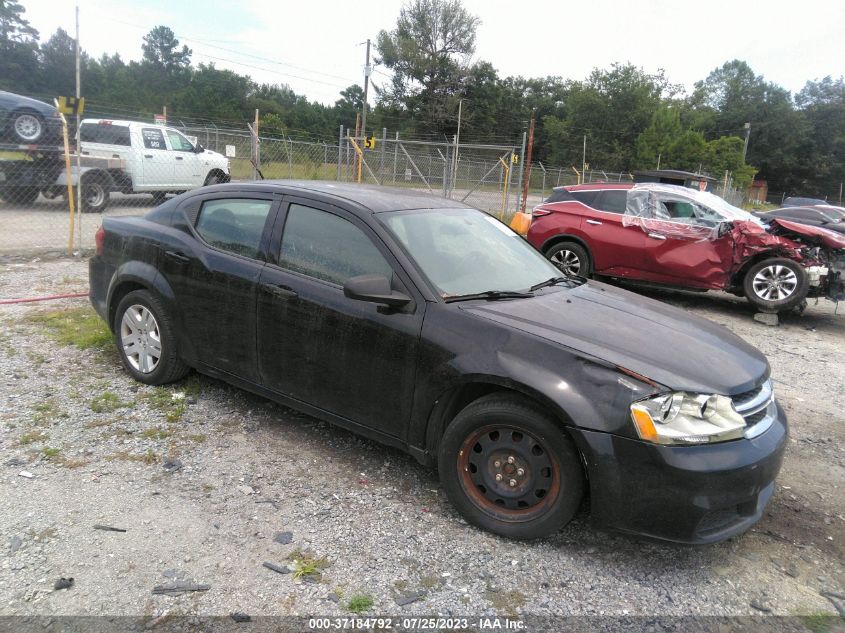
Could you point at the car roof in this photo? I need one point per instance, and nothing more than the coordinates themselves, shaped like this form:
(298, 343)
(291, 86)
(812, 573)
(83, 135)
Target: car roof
(597, 186)
(374, 198)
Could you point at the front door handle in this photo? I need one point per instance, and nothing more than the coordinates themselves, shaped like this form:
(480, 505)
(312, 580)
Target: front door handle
(278, 290)
(593, 222)
(657, 236)
(148, 155)
(176, 256)
(179, 158)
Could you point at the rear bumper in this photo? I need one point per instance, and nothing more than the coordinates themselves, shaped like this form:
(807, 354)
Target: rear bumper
(687, 494)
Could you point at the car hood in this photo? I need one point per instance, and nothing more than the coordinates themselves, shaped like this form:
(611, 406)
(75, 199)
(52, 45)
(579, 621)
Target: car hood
(653, 339)
(829, 238)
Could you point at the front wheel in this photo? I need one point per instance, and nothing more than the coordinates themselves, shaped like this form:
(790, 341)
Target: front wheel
(508, 468)
(571, 258)
(146, 339)
(775, 285)
(159, 197)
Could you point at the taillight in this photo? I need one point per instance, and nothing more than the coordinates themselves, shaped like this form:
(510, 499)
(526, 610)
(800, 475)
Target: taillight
(100, 240)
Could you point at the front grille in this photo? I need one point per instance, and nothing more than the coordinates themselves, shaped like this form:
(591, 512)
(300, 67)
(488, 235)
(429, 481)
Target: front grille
(745, 397)
(716, 520)
(754, 418)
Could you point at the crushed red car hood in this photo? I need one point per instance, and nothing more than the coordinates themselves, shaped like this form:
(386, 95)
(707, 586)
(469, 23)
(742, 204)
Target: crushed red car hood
(831, 239)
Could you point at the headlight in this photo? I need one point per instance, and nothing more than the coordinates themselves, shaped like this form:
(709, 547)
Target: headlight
(687, 418)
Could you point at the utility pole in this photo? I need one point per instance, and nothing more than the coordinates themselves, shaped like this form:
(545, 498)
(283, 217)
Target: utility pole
(527, 171)
(457, 145)
(584, 158)
(747, 127)
(367, 71)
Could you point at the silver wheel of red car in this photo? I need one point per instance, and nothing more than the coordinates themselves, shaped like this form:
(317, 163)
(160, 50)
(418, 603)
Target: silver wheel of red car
(28, 127)
(571, 258)
(509, 469)
(776, 284)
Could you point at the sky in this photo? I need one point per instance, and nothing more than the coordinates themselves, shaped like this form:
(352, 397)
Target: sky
(317, 47)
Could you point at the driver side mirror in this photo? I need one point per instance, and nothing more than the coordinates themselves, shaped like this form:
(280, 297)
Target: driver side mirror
(374, 289)
(725, 228)
(198, 149)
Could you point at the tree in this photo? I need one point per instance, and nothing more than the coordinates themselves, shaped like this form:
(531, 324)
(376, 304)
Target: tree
(161, 49)
(428, 52)
(18, 48)
(58, 63)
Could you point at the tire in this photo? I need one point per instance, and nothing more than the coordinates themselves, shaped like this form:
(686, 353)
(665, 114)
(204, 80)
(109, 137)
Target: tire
(571, 258)
(213, 178)
(95, 195)
(27, 126)
(159, 197)
(536, 494)
(21, 195)
(147, 330)
(776, 284)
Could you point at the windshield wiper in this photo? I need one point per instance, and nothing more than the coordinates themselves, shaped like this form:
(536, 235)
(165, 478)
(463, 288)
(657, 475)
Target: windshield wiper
(551, 282)
(490, 295)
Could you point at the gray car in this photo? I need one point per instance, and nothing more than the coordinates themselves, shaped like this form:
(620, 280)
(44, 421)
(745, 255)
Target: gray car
(25, 120)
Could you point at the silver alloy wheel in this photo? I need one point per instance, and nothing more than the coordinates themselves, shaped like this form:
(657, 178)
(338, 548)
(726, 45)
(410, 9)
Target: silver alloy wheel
(95, 194)
(775, 283)
(140, 338)
(27, 127)
(568, 262)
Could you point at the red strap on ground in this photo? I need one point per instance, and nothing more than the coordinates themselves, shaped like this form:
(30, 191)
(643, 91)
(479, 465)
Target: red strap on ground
(74, 295)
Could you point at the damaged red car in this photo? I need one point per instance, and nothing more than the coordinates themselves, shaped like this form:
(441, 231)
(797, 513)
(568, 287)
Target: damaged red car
(680, 237)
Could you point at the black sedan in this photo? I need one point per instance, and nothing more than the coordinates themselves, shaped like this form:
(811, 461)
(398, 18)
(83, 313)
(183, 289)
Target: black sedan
(28, 121)
(825, 216)
(431, 326)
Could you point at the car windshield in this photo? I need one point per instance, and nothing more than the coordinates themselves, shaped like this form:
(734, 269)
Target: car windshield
(465, 251)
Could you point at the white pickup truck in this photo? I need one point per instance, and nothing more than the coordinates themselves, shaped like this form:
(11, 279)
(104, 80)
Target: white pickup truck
(151, 158)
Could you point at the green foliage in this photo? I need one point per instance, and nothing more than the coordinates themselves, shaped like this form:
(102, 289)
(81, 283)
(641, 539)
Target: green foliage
(108, 401)
(360, 602)
(81, 327)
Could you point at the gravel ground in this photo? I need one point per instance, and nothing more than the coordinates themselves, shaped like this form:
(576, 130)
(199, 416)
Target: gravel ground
(207, 479)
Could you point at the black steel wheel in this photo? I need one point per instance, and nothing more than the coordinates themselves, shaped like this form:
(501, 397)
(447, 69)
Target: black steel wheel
(95, 195)
(571, 258)
(146, 339)
(508, 468)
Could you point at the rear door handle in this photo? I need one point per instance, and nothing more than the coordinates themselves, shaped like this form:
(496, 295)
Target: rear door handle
(179, 158)
(148, 155)
(656, 236)
(283, 292)
(593, 222)
(179, 257)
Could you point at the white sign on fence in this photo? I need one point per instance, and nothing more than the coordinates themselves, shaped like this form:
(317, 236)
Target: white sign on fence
(230, 151)
(408, 174)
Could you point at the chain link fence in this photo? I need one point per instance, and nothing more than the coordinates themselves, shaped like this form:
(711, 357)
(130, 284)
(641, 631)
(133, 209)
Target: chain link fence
(129, 167)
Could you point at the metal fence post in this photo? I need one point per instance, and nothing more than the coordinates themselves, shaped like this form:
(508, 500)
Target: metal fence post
(395, 156)
(518, 189)
(339, 151)
(381, 158)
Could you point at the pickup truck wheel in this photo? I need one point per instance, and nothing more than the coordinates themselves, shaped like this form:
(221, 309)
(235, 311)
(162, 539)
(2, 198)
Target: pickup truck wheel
(775, 285)
(28, 126)
(572, 259)
(159, 197)
(509, 469)
(95, 196)
(146, 339)
(213, 178)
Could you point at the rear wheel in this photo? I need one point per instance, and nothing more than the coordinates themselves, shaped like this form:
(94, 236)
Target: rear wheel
(146, 339)
(159, 197)
(21, 195)
(213, 178)
(776, 284)
(572, 259)
(509, 469)
(95, 195)
(28, 126)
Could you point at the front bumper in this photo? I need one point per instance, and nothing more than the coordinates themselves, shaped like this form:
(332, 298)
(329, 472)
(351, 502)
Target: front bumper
(687, 494)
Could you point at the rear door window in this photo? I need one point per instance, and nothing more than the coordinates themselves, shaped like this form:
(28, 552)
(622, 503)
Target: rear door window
(586, 197)
(613, 201)
(234, 225)
(328, 247)
(105, 134)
